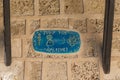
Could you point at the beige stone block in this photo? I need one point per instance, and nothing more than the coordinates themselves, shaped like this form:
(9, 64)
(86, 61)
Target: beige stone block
(85, 70)
(54, 23)
(90, 49)
(115, 71)
(13, 72)
(22, 7)
(73, 6)
(91, 24)
(16, 48)
(116, 25)
(116, 44)
(100, 26)
(117, 6)
(79, 25)
(1, 8)
(95, 25)
(33, 70)
(94, 6)
(55, 71)
(34, 25)
(49, 7)
(18, 27)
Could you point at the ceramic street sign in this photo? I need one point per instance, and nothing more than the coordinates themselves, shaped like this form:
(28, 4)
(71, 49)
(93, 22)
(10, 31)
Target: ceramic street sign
(56, 41)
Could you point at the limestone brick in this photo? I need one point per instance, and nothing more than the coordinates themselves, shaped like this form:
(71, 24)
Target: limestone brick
(94, 6)
(49, 7)
(55, 71)
(33, 70)
(18, 27)
(14, 72)
(22, 7)
(73, 6)
(85, 70)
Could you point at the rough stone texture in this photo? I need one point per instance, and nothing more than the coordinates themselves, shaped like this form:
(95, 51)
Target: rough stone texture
(22, 7)
(49, 7)
(115, 71)
(73, 6)
(1, 8)
(33, 71)
(95, 25)
(85, 70)
(100, 25)
(117, 6)
(78, 24)
(91, 24)
(116, 45)
(90, 45)
(55, 23)
(18, 27)
(94, 6)
(116, 26)
(34, 25)
(55, 71)
(16, 48)
(14, 72)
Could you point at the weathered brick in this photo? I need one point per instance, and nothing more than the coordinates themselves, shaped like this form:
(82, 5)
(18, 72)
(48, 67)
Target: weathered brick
(22, 7)
(1, 8)
(16, 47)
(33, 71)
(100, 25)
(115, 71)
(73, 6)
(94, 6)
(78, 24)
(18, 27)
(116, 45)
(90, 44)
(85, 70)
(55, 71)
(91, 24)
(14, 72)
(95, 25)
(49, 7)
(34, 25)
(116, 25)
(117, 6)
(54, 23)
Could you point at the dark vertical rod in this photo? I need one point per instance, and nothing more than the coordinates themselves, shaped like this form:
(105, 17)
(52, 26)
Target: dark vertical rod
(107, 36)
(7, 33)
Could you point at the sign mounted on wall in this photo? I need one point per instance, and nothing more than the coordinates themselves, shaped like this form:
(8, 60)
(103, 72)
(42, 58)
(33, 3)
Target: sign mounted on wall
(56, 41)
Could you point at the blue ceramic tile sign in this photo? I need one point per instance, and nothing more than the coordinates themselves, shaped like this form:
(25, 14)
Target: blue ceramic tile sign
(56, 41)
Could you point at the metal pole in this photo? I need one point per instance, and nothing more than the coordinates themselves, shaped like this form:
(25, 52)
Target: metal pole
(7, 33)
(107, 36)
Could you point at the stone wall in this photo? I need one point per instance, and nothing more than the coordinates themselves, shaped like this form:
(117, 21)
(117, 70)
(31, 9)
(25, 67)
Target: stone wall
(84, 16)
